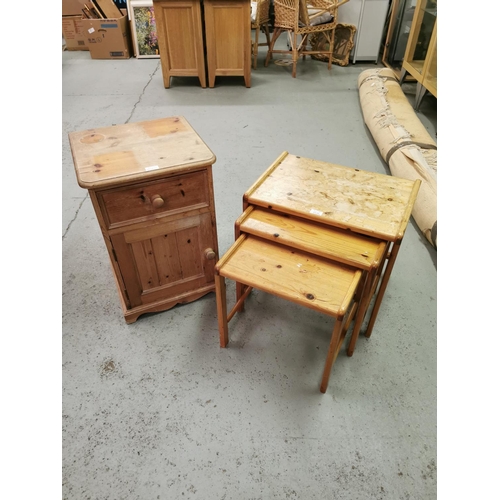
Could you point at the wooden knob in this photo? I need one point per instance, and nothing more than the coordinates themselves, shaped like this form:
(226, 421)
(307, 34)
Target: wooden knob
(157, 201)
(209, 254)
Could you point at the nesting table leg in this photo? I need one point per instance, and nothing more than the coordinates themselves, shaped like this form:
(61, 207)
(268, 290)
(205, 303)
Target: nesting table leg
(332, 353)
(220, 293)
(363, 307)
(240, 290)
(383, 286)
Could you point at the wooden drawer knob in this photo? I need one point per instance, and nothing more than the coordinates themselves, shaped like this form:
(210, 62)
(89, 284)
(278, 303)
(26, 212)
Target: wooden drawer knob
(209, 254)
(157, 201)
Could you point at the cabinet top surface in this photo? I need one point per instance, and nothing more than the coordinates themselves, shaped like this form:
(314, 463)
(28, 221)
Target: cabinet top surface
(121, 154)
(369, 203)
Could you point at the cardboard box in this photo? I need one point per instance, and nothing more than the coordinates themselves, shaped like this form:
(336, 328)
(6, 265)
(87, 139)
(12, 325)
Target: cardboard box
(72, 30)
(72, 7)
(107, 38)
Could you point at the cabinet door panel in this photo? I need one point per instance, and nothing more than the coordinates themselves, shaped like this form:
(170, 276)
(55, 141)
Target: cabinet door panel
(228, 44)
(143, 254)
(180, 38)
(157, 261)
(166, 259)
(189, 250)
(168, 256)
(228, 39)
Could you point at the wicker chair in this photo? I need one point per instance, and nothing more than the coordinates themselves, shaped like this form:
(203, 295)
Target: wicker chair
(260, 21)
(300, 18)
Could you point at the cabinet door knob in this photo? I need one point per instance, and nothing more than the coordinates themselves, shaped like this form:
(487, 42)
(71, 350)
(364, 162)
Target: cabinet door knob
(157, 201)
(209, 254)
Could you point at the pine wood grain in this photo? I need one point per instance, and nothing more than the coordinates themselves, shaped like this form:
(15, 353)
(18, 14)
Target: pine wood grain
(136, 151)
(302, 278)
(180, 38)
(179, 192)
(369, 203)
(228, 39)
(329, 242)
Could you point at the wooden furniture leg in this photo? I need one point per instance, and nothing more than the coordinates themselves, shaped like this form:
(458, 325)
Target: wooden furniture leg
(332, 43)
(247, 78)
(240, 287)
(276, 33)
(419, 95)
(268, 36)
(255, 47)
(332, 353)
(363, 307)
(383, 285)
(220, 294)
(295, 55)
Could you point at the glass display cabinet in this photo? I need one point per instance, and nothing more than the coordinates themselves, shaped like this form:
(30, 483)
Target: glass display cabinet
(398, 29)
(420, 60)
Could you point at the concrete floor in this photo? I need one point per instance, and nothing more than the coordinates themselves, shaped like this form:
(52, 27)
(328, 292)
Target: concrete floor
(155, 409)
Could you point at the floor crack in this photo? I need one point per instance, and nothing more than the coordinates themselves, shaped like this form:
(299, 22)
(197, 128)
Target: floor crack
(127, 121)
(142, 93)
(75, 217)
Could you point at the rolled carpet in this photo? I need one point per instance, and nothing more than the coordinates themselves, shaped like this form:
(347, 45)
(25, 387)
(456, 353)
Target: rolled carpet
(402, 140)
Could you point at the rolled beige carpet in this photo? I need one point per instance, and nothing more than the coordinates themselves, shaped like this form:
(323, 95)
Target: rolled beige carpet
(403, 141)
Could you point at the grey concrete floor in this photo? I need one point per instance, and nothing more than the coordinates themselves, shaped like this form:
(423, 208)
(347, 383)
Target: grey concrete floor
(155, 409)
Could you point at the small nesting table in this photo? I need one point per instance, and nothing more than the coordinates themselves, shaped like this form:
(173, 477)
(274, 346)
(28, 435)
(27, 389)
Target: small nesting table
(300, 277)
(349, 217)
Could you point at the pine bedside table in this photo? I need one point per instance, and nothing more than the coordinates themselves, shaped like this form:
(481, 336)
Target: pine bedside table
(151, 188)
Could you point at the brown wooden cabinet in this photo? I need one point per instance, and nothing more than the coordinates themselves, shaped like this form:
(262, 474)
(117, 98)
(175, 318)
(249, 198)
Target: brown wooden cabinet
(195, 36)
(228, 39)
(180, 38)
(152, 192)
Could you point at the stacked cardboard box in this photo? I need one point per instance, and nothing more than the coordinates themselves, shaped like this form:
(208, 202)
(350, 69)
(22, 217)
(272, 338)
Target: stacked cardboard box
(72, 29)
(98, 26)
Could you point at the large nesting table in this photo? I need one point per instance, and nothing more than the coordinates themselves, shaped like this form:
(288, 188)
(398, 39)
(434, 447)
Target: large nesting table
(344, 215)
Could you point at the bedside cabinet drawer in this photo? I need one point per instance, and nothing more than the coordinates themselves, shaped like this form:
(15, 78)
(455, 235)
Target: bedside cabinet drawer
(177, 193)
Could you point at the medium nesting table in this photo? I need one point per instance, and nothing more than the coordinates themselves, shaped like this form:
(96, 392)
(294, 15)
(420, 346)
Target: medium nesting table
(338, 245)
